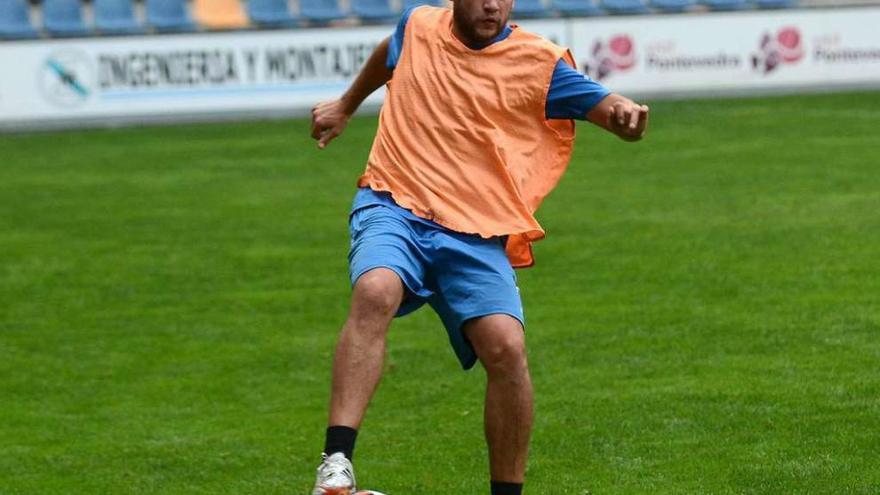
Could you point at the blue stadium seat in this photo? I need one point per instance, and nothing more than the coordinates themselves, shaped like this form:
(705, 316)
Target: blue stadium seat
(15, 20)
(116, 17)
(414, 3)
(775, 4)
(63, 18)
(625, 6)
(673, 5)
(169, 16)
(373, 10)
(575, 8)
(725, 4)
(529, 8)
(270, 13)
(320, 11)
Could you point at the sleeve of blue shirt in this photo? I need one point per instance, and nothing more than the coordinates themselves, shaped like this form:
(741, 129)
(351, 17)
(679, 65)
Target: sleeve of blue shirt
(572, 94)
(396, 44)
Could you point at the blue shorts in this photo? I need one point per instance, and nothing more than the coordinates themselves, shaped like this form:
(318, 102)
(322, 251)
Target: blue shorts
(461, 276)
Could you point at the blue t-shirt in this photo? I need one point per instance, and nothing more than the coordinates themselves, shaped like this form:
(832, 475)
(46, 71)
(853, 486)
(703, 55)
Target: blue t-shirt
(571, 93)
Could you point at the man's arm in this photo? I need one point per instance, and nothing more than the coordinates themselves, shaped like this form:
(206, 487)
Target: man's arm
(620, 115)
(329, 118)
(573, 95)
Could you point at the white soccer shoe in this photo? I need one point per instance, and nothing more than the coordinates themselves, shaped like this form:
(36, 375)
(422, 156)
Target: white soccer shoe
(335, 476)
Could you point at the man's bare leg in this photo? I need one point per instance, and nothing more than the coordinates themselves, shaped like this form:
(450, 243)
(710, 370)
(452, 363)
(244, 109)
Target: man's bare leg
(357, 368)
(360, 353)
(499, 342)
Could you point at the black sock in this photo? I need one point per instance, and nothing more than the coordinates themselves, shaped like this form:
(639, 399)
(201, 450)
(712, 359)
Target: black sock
(504, 488)
(340, 439)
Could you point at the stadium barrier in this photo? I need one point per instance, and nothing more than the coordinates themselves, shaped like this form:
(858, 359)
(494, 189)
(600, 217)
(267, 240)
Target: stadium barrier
(136, 79)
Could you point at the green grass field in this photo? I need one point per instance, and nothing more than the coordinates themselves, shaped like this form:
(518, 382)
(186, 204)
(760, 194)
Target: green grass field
(704, 316)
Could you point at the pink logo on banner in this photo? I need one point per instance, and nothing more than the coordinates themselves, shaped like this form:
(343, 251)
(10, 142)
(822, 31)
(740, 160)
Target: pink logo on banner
(615, 55)
(784, 48)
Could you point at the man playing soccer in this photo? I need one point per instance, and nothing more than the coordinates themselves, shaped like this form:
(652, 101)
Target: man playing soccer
(475, 131)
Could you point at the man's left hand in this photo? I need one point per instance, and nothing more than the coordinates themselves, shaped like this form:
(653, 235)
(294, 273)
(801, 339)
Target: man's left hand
(622, 116)
(628, 119)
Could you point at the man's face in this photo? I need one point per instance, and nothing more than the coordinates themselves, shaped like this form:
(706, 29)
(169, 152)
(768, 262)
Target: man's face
(480, 21)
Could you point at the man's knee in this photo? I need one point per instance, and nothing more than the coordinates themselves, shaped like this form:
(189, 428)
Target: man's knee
(377, 293)
(500, 345)
(505, 355)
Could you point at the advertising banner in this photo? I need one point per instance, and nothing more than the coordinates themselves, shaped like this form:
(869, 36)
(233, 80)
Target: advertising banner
(731, 52)
(196, 76)
(181, 75)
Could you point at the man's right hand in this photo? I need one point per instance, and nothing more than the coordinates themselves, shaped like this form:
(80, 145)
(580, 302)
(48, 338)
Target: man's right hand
(329, 119)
